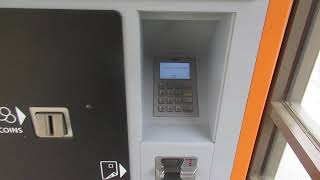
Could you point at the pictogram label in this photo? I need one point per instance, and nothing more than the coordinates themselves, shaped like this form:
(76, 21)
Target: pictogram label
(111, 169)
(8, 119)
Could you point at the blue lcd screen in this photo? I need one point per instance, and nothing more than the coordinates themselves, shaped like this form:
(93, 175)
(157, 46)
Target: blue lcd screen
(173, 70)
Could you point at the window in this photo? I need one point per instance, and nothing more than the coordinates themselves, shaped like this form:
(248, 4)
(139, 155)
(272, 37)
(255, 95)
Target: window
(288, 145)
(311, 98)
(290, 167)
(307, 105)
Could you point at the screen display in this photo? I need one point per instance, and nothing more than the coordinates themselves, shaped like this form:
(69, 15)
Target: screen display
(174, 70)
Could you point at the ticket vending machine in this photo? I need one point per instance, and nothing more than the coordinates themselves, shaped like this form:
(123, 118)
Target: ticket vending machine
(122, 89)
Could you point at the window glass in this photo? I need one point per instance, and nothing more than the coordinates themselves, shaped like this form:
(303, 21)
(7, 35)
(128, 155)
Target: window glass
(304, 98)
(282, 163)
(290, 167)
(311, 98)
(304, 92)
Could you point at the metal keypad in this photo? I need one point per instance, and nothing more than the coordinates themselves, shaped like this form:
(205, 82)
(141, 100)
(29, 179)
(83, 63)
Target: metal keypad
(175, 96)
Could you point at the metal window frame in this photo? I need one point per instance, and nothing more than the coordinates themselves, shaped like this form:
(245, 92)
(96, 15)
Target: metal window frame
(278, 116)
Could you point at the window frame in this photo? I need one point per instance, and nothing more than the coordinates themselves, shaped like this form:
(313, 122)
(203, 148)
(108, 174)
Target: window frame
(279, 115)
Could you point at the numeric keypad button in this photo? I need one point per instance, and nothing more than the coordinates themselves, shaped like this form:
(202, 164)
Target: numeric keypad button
(162, 84)
(179, 85)
(179, 100)
(162, 100)
(187, 92)
(170, 108)
(162, 92)
(162, 108)
(188, 108)
(170, 92)
(178, 108)
(187, 99)
(187, 85)
(178, 92)
(171, 85)
(171, 100)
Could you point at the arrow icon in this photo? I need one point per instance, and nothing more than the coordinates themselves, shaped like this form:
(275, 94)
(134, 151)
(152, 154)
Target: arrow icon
(122, 170)
(21, 115)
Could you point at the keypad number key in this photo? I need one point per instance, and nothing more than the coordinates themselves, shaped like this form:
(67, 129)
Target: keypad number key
(171, 85)
(171, 100)
(179, 100)
(187, 99)
(187, 92)
(188, 108)
(187, 85)
(170, 92)
(178, 108)
(162, 85)
(161, 108)
(178, 92)
(162, 100)
(170, 108)
(162, 92)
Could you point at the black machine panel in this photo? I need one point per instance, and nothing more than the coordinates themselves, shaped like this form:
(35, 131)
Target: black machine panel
(71, 59)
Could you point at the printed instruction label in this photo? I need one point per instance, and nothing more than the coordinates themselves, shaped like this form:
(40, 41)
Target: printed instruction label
(8, 119)
(111, 169)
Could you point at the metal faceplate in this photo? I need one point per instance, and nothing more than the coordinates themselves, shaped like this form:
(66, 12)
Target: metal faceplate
(71, 59)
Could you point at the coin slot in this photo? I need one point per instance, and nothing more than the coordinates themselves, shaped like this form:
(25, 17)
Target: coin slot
(50, 124)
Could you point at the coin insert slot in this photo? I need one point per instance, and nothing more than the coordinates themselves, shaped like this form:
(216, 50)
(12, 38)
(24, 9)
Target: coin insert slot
(50, 125)
(51, 122)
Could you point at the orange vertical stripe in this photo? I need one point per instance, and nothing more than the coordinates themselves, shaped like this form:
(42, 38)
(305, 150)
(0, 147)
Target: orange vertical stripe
(273, 32)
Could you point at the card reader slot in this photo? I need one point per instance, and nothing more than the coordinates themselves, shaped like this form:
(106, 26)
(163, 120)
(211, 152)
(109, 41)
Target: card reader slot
(180, 168)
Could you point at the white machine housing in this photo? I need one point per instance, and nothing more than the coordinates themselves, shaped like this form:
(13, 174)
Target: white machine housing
(224, 35)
